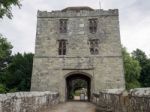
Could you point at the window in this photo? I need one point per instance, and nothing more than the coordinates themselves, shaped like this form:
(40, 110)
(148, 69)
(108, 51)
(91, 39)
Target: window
(63, 25)
(93, 25)
(62, 47)
(94, 46)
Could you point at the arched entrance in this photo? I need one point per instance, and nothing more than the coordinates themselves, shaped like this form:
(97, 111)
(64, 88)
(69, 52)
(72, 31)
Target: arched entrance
(78, 87)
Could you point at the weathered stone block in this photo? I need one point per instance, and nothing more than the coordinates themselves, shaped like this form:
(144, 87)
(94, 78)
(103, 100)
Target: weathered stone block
(27, 101)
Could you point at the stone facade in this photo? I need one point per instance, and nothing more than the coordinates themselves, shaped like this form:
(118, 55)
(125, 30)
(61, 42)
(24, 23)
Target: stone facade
(51, 69)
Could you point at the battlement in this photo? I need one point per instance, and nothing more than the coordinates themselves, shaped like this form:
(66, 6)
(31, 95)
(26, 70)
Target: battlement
(77, 12)
(77, 9)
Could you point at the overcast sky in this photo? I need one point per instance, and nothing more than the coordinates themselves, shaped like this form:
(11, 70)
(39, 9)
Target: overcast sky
(134, 21)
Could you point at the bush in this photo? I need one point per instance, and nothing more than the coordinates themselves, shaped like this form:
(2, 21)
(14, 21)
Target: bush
(2, 88)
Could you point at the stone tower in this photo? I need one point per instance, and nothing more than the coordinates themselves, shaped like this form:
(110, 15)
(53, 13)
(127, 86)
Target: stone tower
(77, 42)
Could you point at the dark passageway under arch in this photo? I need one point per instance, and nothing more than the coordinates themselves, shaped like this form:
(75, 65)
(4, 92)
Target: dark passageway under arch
(76, 82)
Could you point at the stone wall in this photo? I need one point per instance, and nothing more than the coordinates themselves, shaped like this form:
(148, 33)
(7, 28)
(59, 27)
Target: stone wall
(27, 101)
(118, 100)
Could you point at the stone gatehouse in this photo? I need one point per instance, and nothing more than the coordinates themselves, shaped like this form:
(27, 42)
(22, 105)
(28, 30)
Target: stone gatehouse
(77, 43)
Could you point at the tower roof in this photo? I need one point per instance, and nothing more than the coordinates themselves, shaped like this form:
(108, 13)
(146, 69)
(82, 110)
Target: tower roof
(77, 9)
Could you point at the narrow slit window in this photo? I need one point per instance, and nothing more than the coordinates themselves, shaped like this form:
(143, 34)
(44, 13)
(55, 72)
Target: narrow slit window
(94, 46)
(63, 25)
(93, 25)
(62, 47)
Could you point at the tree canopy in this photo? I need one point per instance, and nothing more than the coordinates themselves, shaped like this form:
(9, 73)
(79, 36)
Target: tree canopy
(5, 58)
(5, 52)
(144, 61)
(19, 72)
(6, 6)
(132, 70)
(15, 70)
(140, 56)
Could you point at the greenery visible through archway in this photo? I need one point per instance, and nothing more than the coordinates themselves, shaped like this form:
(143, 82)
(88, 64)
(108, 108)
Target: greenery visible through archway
(78, 86)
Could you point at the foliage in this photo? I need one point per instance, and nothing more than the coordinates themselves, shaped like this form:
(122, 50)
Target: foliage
(78, 84)
(16, 70)
(132, 70)
(5, 58)
(19, 72)
(2, 88)
(77, 93)
(6, 6)
(145, 76)
(140, 56)
(5, 47)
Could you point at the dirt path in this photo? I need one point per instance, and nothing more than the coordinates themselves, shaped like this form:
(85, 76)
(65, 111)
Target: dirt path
(73, 107)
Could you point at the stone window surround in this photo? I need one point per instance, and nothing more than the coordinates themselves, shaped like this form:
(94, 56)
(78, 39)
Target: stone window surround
(94, 44)
(63, 25)
(93, 23)
(62, 49)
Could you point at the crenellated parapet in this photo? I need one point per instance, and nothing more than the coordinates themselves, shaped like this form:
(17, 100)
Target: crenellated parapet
(77, 13)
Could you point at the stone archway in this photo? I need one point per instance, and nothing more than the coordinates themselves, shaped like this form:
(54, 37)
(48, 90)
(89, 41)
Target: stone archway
(78, 84)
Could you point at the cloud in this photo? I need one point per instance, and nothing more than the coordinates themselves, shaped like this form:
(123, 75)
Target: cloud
(134, 21)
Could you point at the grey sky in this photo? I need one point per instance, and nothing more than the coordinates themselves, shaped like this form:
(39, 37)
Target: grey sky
(134, 21)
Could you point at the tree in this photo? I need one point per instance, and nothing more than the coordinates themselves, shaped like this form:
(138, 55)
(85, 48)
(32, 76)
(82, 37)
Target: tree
(16, 70)
(140, 56)
(132, 70)
(6, 6)
(5, 52)
(145, 75)
(20, 70)
(5, 58)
